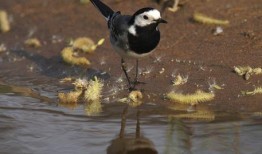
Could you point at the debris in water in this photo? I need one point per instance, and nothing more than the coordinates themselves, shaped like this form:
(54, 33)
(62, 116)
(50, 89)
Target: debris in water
(4, 23)
(2, 48)
(94, 90)
(84, 1)
(85, 44)
(201, 18)
(33, 42)
(180, 80)
(218, 31)
(257, 90)
(134, 98)
(192, 99)
(88, 92)
(70, 58)
(80, 84)
(247, 71)
(162, 71)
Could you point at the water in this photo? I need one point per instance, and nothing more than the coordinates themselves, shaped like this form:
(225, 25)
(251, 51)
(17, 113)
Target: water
(31, 121)
(29, 125)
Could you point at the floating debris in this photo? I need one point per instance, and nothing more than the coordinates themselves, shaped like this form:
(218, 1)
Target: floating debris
(192, 99)
(94, 89)
(162, 71)
(33, 42)
(175, 7)
(70, 58)
(85, 44)
(198, 115)
(214, 86)
(4, 23)
(88, 92)
(201, 18)
(218, 31)
(80, 84)
(257, 90)
(257, 114)
(180, 80)
(84, 1)
(67, 80)
(247, 71)
(2, 48)
(134, 98)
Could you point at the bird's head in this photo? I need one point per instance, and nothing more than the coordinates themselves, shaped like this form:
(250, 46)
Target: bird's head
(147, 16)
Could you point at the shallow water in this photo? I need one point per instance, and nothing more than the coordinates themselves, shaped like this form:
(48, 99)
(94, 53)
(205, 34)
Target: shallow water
(29, 124)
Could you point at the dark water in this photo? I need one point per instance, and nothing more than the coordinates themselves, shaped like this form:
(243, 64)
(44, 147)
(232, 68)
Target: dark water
(30, 125)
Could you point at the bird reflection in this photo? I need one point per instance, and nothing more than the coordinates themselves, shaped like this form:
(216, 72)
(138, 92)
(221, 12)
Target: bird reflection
(131, 144)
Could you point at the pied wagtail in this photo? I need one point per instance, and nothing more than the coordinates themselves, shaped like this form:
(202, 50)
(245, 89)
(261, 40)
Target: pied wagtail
(132, 36)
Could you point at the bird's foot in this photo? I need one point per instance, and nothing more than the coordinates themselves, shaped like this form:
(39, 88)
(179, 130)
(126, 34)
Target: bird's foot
(136, 82)
(132, 88)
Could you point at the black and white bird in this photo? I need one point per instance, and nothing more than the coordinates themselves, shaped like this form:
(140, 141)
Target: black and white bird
(132, 36)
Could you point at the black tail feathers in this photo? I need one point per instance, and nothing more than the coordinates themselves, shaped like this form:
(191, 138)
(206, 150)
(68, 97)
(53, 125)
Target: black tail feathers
(104, 9)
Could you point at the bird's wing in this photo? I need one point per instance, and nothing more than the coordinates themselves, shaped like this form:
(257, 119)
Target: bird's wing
(118, 26)
(103, 8)
(119, 23)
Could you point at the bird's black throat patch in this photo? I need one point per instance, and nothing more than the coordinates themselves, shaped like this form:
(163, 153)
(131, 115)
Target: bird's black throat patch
(146, 40)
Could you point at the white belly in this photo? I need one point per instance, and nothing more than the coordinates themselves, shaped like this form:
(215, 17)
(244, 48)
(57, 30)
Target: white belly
(130, 54)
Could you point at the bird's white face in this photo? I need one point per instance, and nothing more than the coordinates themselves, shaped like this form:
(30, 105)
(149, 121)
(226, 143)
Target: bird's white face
(147, 18)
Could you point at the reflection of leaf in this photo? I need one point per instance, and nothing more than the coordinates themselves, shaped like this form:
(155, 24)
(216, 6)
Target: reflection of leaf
(24, 91)
(192, 99)
(178, 137)
(93, 108)
(69, 98)
(71, 105)
(198, 115)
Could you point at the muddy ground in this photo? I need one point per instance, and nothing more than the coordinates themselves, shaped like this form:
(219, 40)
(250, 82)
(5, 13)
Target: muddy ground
(186, 48)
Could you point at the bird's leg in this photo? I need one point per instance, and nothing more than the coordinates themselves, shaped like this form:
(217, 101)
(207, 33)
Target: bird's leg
(136, 77)
(124, 69)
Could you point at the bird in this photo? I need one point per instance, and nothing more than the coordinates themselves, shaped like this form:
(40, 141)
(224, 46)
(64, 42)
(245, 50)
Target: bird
(132, 36)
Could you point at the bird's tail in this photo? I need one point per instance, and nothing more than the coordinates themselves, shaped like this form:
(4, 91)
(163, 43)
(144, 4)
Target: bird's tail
(104, 9)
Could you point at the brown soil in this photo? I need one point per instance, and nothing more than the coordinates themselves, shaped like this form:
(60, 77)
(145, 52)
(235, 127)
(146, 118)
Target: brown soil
(186, 47)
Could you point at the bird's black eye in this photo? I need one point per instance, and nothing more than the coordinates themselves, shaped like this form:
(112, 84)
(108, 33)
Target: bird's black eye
(145, 17)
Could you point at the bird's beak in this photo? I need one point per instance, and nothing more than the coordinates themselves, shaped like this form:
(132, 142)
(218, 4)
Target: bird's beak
(161, 21)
